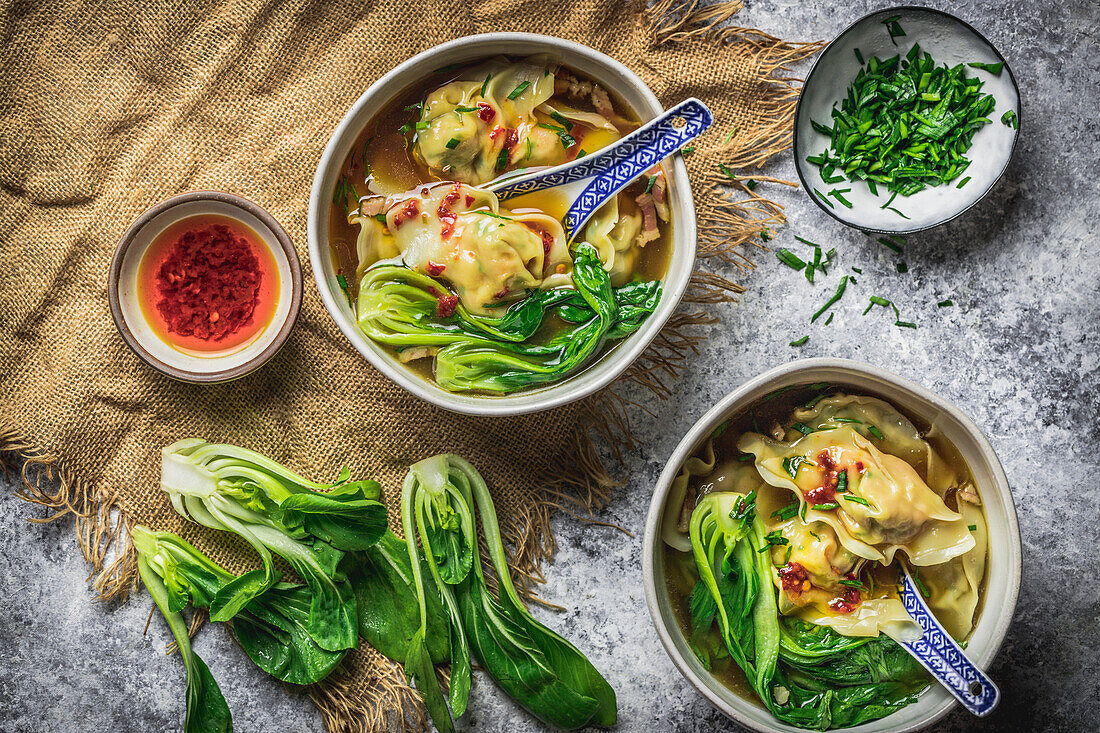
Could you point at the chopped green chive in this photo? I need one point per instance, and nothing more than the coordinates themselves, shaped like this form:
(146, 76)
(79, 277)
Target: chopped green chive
(875, 432)
(452, 143)
(802, 512)
(485, 84)
(837, 193)
(790, 259)
(649, 186)
(806, 241)
(531, 148)
(905, 324)
(802, 428)
(836, 296)
(902, 267)
(520, 89)
(732, 132)
(829, 319)
(502, 159)
(687, 150)
(963, 182)
(423, 125)
(994, 69)
(842, 482)
(792, 464)
(495, 216)
(822, 197)
(766, 235)
(972, 527)
(786, 512)
(857, 270)
(562, 120)
(903, 216)
(745, 457)
(859, 57)
(462, 110)
(801, 341)
(380, 217)
(856, 499)
(851, 583)
(405, 129)
(920, 584)
(945, 303)
(890, 244)
(894, 28)
(1010, 120)
(581, 153)
(826, 507)
(750, 184)
(847, 420)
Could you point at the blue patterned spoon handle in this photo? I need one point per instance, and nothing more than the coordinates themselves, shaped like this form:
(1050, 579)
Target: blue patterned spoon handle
(596, 178)
(939, 654)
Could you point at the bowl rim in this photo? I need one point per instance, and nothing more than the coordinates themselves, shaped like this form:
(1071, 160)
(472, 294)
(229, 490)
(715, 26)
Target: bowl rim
(705, 423)
(799, 164)
(235, 201)
(556, 394)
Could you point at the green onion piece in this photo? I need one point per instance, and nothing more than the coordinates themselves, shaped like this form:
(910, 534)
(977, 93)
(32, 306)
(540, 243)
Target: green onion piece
(1009, 119)
(531, 148)
(802, 428)
(903, 216)
(750, 184)
(851, 583)
(875, 432)
(461, 110)
(890, 244)
(581, 153)
(829, 319)
(822, 197)
(920, 584)
(342, 281)
(405, 129)
(802, 512)
(485, 84)
(859, 57)
(856, 499)
(828, 506)
(790, 259)
(562, 120)
(842, 481)
(502, 159)
(649, 186)
(905, 324)
(857, 270)
(945, 303)
(836, 296)
(380, 217)
(902, 267)
(810, 271)
(972, 527)
(806, 241)
(837, 194)
(994, 69)
(799, 342)
(423, 125)
(495, 216)
(847, 420)
(452, 143)
(732, 132)
(963, 182)
(520, 89)
(745, 457)
(766, 235)
(786, 512)
(687, 150)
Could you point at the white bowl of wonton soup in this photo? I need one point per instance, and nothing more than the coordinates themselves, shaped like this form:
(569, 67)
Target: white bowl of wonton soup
(823, 476)
(418, 274)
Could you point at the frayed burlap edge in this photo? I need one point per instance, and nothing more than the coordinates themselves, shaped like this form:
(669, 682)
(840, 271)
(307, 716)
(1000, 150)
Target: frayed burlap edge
(735, 218)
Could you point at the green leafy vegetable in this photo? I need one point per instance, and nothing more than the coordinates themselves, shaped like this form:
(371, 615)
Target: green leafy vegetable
(273, 509)
(829, 303)
(536, 667)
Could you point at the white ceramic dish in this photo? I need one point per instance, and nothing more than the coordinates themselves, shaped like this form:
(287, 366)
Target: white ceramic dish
(619, 80)
(1003, 574)
(219, 366)
(951, 41)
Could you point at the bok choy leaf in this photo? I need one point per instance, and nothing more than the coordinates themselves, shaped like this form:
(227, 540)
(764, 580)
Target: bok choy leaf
(536, 667)
(233, 489)
(207, 711)
(806, 675)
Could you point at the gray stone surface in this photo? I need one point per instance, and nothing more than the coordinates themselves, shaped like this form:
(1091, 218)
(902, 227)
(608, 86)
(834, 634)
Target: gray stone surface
(1018, 353)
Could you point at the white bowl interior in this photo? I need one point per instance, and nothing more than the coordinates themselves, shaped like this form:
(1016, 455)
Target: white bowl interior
(950, 42)
(215, 361)
(1002, 574)
(591, 63)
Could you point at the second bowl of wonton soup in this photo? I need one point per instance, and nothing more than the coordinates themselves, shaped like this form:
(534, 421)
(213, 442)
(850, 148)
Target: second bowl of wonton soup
(474, 304)
(821, 478)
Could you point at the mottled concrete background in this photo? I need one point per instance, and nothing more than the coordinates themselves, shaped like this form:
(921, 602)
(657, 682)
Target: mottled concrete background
(1018, 354)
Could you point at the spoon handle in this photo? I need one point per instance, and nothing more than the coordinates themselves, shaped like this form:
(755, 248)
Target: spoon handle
(595, 178)
(939, 654)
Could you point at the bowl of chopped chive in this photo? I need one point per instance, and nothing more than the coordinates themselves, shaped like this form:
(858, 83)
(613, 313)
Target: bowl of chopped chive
(907, 119)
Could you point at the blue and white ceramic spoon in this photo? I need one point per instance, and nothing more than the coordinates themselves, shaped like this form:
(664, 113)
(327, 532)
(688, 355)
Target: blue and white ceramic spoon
(590, 181)
(939, 654)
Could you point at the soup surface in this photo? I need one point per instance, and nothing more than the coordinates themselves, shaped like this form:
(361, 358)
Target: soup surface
(480, 294)
(793, 520)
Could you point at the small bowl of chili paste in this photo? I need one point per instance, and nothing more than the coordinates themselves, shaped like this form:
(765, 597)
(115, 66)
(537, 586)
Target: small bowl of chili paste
(205, 286)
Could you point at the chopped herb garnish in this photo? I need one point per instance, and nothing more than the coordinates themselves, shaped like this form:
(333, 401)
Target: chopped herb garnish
(687, 150)
(581, 153)
(531, 148)
(405, 129)
(750, 184)
(485, 84)
(920, 584)
(774, 538)
(963, 182)
(727, 172)
(745, 508)
(856, 499)
(411, 107)
(857, 270)
(994, 69)
(790, 259)
(859, 57)
(786, 512)
(905, 324)
(649, 185)
(894, 28)
(792, 464)
(836, 193)
(562, 120)
(462, 110)
(903, 216)
(452, 143)
(802, 512)
(745, 457)
(765, 235)
(826, 507)
(1010, 119)
(520, 89)
(847, 420)
(836, 296)
(842, 481)
(829, 319)
(875, 432)
(495, 216)
(380, 217)
(423, 125)
(802, 428)
(567, 140)
(343, 283)
(822, 197)
(801, 341)
(732, 132)
(902, 267)
(945, 303)
(851, 583)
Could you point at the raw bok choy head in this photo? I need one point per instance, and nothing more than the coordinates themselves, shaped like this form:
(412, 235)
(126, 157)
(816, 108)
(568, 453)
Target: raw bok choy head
(807, 675)
(273, 629)
(537, 668)
(310, 525)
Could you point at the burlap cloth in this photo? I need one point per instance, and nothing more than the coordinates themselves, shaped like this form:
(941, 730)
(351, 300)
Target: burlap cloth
(109, 107)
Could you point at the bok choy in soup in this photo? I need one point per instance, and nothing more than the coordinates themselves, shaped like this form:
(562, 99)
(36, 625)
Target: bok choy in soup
(477, 294)
(785, 535)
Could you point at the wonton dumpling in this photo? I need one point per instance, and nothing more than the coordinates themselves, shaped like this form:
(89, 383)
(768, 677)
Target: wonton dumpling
(899, 436)
(870, 617)
(954, 585)
(373, 243)
(901, 511)
(613, 237)
(677, 494)
(467, 131)
(461, 235)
